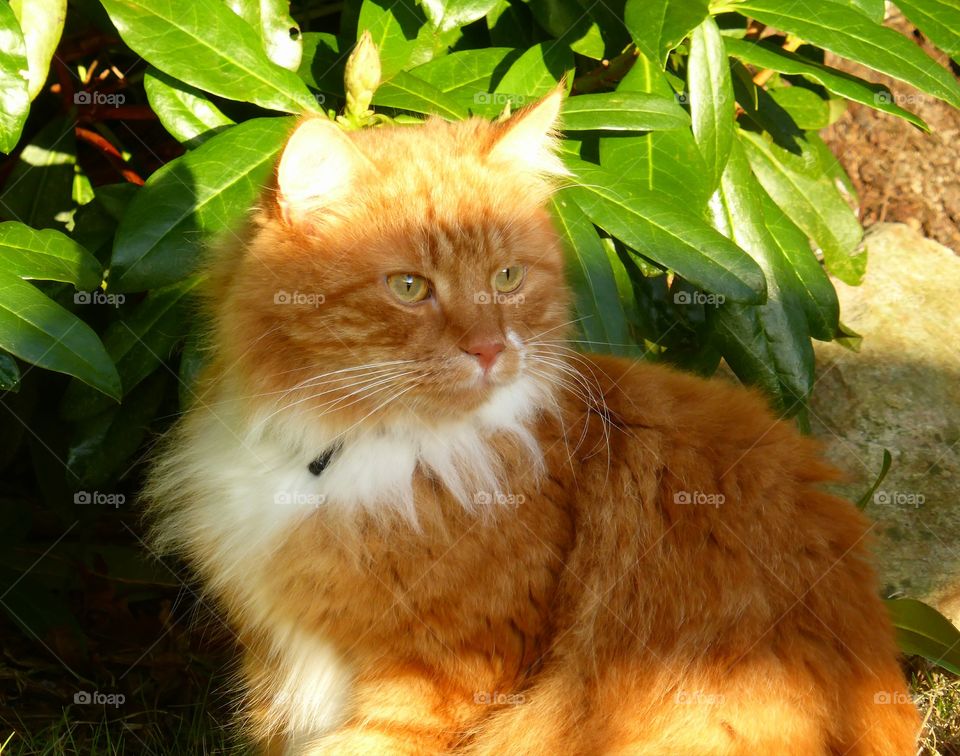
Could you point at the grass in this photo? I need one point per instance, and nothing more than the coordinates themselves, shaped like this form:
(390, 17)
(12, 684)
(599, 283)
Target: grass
(937, 694)
(99, 731)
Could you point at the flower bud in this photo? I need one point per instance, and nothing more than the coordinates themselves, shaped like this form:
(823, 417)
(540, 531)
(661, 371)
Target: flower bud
(362, 75)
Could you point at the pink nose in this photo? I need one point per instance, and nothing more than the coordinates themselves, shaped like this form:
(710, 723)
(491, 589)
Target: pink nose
(486, 353)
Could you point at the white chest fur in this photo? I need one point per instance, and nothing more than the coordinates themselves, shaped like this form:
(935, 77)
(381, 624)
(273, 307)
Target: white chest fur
(235, 492)
(230, 495)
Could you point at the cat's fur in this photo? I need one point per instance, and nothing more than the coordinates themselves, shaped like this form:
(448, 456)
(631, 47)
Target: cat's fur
(580, 555)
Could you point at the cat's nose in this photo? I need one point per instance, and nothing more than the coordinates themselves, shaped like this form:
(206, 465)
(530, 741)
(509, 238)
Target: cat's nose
(486, 352)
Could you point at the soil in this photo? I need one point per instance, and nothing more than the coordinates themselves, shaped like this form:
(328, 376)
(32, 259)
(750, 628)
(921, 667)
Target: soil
(902, 173)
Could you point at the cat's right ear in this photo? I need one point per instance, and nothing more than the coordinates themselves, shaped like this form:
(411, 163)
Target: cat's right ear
(318, 167)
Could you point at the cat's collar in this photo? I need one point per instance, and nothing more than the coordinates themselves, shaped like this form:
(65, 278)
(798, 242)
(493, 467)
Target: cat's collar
(323, 460)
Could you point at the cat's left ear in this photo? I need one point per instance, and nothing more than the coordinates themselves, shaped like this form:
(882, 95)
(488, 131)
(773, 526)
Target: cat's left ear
(319, 166)
(529, 137)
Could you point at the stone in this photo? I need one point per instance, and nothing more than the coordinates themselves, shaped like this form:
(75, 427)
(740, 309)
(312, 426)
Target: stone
(901, 392)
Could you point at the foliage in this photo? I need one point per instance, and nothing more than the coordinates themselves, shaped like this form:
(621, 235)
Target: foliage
(701, 219)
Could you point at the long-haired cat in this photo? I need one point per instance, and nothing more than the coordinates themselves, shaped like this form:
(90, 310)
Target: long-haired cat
(437, 528)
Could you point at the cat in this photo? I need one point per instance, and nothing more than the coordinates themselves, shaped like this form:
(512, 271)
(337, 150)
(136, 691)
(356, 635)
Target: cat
(438, 528)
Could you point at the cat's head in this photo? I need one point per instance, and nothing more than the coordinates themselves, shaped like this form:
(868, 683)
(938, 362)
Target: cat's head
(401, 269)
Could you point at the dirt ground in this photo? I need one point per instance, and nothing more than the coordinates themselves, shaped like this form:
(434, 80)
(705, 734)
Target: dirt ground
(901, 173)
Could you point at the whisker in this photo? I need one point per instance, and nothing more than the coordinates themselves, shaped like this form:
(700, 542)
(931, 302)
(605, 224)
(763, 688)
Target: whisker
(592, 393)
(376, 381)
(586, 341)
(375, 409)
(355, 368)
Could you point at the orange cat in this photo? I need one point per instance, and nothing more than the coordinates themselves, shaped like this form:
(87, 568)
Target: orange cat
(439, 529)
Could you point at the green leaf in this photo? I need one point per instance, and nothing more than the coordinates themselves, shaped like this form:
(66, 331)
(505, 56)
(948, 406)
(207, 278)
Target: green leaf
(102, 444)
(657, 26)
(766, 55)
(450, 14)
(808, 110)
(9, 373)
(872, 9)
(281, 34)
(767, 345)
(39, 331)
(47, 256)
(625, 290)
(39, 189)
(850, 34)
(206, 45)
(884, 469)
(14, 73)
(814, 204)
(511, 25)
(571, 23)
(536, 72)
(322, 64)
(181, 205)
(193, 359)
(468, 76)
(939, 20)
(42, 24)
(711, 98)
(137, 343)
(666, 162)
(923, 631)
(666, 233)
(600, 312)
(814, 290)
(407, 92)
(762, 113)
(185, 112)
(400, 30)
(623, 111)
(833, 168)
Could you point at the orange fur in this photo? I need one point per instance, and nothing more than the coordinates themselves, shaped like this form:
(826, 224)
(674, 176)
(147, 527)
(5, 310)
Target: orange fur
(593, 612)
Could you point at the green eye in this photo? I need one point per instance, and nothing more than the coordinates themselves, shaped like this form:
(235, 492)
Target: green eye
(509, 279)
(408, 287)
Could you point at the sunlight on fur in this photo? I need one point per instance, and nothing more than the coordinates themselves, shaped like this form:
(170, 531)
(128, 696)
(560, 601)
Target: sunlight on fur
(437, 526)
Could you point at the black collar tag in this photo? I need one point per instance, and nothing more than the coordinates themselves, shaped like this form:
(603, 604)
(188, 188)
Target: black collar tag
(323, 461)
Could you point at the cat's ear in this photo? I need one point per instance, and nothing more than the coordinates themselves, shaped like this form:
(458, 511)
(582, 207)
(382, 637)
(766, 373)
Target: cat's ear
(318, 166)
(529, 137)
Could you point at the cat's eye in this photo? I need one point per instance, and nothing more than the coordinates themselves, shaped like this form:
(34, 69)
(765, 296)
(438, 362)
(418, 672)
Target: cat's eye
(409, 288)
(509, 279)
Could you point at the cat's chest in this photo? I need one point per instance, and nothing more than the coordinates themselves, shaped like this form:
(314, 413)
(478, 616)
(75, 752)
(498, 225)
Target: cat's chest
(250, 495)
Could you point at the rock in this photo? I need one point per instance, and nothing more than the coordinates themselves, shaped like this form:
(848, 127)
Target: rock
(902, 393)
